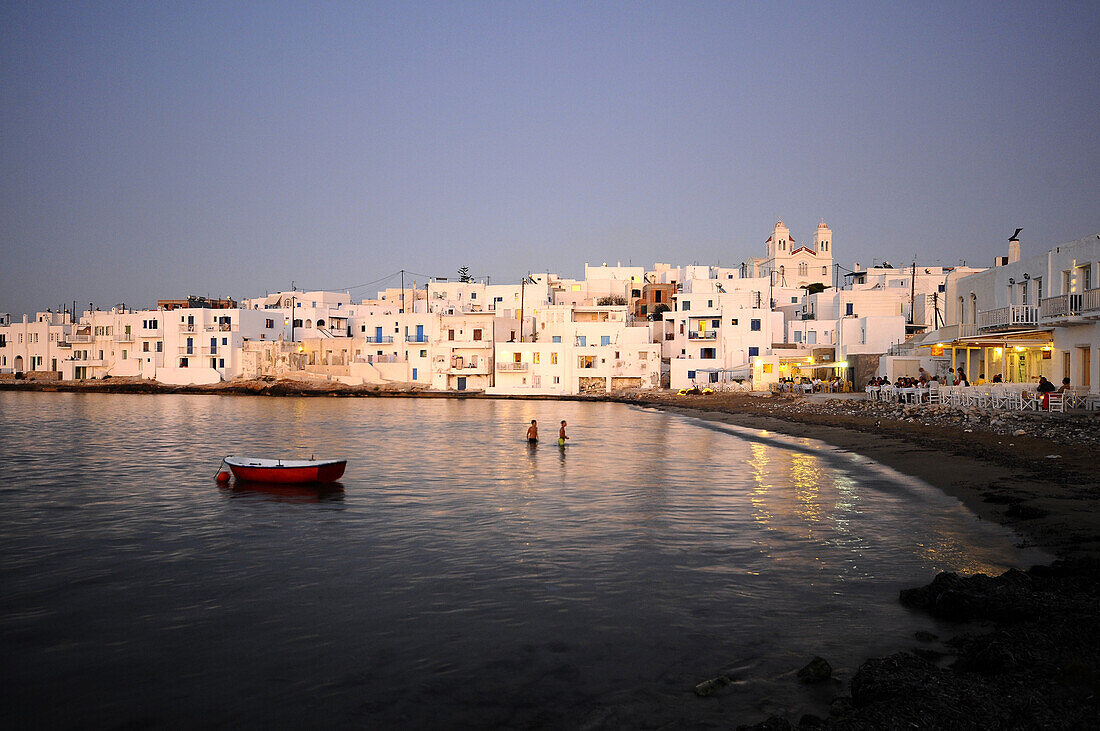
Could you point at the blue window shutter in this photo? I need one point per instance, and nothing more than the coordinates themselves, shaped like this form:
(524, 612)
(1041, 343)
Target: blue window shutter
(691, 375)
(753, 350)
(556, 339)
(605, 340)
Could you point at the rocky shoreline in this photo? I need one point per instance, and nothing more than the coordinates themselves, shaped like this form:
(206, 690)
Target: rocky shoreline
(1035, 663)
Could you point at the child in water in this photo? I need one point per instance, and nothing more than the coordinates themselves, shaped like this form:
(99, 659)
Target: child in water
(533, 432)
(561, 434)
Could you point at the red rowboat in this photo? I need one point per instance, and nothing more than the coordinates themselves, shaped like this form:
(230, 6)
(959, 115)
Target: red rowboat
(286, 471)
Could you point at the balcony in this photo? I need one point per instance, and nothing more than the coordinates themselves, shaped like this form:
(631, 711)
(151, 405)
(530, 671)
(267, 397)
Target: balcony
(379, 338)
(1013, 317)
(505, 366)
(1090, 303)
(706, 335)
(81, 339)
(416, 338)
(124, 338)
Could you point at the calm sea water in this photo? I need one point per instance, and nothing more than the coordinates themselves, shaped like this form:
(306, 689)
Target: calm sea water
(458, 579)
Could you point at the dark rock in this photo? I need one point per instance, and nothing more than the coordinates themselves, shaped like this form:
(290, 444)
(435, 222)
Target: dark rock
(710, 687)
(810, 721)
(990, 657)
(949, 596)
(840, 706)
(889, 677)
(774, 723)
(817, 670)
(923, 636)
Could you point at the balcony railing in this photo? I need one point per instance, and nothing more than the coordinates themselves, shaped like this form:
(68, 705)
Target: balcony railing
(1009, 318)
(379, 338)
(80, 338)
(505, 366)
(416, 338)
(1090, 301)
(707, 335)
(124, 338)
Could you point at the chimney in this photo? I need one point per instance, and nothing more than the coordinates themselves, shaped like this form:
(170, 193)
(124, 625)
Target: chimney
(856, 267)
(1013, 251)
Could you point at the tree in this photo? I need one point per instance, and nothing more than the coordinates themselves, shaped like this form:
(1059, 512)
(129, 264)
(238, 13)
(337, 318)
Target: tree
(658, 311)
(614, 299)
(464, 275)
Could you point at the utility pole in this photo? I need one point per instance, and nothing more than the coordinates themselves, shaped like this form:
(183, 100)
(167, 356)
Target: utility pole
(402, 290)
(913, 294)
(522, 284)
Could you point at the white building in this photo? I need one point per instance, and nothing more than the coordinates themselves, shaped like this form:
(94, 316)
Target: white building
(1026, 318)
(35, 348)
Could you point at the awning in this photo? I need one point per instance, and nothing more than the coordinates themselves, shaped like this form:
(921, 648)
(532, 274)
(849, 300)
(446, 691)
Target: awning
(271, 301)
(1036, 338)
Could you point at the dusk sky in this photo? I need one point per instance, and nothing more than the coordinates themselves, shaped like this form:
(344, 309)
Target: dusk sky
(156, 150)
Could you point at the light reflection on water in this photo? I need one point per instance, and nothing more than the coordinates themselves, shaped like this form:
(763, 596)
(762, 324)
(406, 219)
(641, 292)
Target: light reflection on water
(459, 577)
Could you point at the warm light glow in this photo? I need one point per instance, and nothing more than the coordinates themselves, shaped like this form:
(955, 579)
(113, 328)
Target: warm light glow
(1019, 349)
(997, 351)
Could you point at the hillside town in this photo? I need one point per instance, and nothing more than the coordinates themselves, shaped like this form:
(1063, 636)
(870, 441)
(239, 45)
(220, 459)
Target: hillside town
(790, 316)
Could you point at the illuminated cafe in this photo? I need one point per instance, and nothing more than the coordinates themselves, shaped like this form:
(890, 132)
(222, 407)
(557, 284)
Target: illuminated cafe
(1016, 356)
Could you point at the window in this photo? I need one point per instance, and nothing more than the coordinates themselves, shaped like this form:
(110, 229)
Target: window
(691, 375)
(535, 358)
(849, 308)
(582, 341)
(605, 340)
(221, 362)
(423, 354)
(753, 351)
(798, 336)
(269, 323)
(225, 341)
(1039, 290)
(824, 270)
(554, 360)
(145, 347)
(160, 346)
(124, 355)
(716, 324)
(754, 325)
(477, 333)
(213, 362)
(710, 303)
(733, 321)
(685, 306)
(586, 361)
(183, 362)
(643, 355)
(794, 300)
(517, 357)
(451, 334)
(556, 339)
(557, 380)
(803, 269)
(473, 295)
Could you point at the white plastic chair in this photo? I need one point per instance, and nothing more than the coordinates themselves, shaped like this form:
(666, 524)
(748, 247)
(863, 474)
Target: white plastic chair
(1056, 402)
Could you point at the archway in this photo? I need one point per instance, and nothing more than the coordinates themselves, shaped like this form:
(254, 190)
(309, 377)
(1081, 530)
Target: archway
(18, 364)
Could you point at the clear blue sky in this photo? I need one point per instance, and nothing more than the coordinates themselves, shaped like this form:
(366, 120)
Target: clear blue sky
(157, 149)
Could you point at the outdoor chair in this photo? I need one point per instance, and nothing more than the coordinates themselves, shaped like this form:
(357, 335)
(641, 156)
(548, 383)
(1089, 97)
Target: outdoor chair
(934, 396)
(1056, 402)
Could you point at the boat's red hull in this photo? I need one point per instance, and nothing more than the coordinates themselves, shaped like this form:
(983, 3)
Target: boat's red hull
(329, 472)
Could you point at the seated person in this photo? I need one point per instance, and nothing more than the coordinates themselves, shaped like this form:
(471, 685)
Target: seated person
(1065, 386)
(1045, 386)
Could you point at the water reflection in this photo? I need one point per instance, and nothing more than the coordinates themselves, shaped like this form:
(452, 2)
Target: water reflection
(281, 492)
